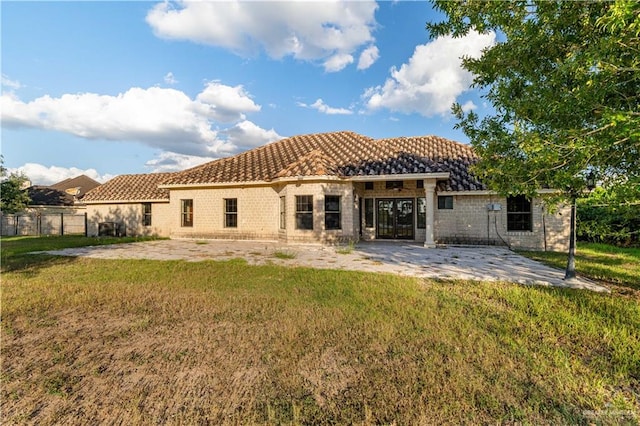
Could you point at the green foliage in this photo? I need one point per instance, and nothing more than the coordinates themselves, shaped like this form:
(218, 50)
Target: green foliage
(610, 217)
(13, 195)
(564, 85)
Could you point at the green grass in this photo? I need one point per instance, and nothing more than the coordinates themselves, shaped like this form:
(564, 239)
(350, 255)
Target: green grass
(602, 262)
(134, 341)
(284, 255)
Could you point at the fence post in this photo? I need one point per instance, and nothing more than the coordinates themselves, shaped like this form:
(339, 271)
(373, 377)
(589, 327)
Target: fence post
(61, 224)
(16, 222)
(86, 225)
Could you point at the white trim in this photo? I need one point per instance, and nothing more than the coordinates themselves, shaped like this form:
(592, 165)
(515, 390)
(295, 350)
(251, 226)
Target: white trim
(127, 201)
(487, 192)
(403, 176)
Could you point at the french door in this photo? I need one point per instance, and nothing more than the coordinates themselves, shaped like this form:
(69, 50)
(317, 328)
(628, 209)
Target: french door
(395, 219)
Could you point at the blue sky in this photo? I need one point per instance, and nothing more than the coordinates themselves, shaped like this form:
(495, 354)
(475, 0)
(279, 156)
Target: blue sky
(108, 88)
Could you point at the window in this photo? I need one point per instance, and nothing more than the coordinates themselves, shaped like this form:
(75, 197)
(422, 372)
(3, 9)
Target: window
(283, 213)
(519, 214)
(304, 211)
(394, 184)
(368, 186)
(422, 213)
(230, 212)
(420, 184)
(187, 212)
(368, 212)
(332, 219)
(445, 202)
(146, 214)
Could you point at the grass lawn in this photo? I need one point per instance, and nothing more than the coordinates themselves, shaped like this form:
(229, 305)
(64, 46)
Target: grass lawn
(88, 341)
(602, 262)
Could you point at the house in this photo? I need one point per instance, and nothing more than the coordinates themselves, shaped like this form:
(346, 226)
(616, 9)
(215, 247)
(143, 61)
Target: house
(333, 187)
(77, 186)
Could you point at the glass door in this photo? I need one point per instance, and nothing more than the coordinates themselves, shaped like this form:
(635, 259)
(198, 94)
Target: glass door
(395, 219)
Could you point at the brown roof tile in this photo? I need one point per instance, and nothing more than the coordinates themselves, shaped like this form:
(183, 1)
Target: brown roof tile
(77, 186)
(140, 187)
(342, 154)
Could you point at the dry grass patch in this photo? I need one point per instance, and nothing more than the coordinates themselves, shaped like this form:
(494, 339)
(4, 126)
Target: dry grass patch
(92, 341)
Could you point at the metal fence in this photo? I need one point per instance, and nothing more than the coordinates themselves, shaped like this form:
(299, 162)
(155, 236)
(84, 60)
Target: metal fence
(43, 224)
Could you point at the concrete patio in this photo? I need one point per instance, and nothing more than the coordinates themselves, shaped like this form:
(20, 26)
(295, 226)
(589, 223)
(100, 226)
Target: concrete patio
(481, 263)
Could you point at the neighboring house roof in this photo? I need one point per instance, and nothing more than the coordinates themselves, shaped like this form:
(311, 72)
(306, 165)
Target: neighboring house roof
(344, 155)
(48, 196)
(130, 188)
(77, 186)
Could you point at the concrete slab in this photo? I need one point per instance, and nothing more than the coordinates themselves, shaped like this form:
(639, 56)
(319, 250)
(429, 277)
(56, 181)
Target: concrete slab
(450, 262)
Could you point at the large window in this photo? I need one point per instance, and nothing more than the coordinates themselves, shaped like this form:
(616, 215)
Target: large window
(304, 211)
(332, 218)
(146, 214)
(230, 212)
(368, 212)
(187, 212)
(519, 214)
(283, 213)
(445, 202)
(421, 212)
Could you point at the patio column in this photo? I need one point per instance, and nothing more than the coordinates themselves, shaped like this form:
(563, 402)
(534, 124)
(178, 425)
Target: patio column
(430, 190)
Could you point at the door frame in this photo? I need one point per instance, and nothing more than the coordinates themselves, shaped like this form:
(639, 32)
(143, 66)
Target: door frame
(395, 200)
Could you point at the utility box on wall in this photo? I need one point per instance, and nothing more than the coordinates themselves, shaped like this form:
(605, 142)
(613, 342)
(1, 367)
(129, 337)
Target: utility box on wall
(494, 207)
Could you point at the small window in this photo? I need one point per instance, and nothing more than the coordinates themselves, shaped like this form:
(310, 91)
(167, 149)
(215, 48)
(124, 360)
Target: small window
(368, 212)
(368, 186)
(420, 184)
(230, 212)
(332, 219)
(394, 184)
(146, 214)
(445, 202)
(422, 213)
(304, 211)
(519, 214)
(283, 213)
(187, 212)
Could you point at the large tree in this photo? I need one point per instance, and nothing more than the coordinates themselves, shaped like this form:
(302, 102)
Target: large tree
(564, 83)
(13, 195)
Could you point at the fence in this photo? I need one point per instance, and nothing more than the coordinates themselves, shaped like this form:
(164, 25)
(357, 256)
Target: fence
(43, 224)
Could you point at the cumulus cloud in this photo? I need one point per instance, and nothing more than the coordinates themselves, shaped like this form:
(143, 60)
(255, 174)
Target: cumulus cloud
(172, 162)
(368, 57)
(162, 118)
(469, 106)
(247, 135)
(326, 109)
(39, 174)
(432, 79)
(324, 32)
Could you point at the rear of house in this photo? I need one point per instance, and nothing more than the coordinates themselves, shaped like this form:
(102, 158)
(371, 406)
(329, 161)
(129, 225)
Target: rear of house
(332, 187)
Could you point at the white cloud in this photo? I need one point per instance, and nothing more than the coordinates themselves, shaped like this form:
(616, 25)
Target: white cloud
(469, 106)
(338, 62)
(43, 175)
(368, 57)
(432, 79)
(10, 84)
(309, 31)
(162, 118)
(226, 104)
(170, 79)
(247, 135)
(326, 109)
(172, 162)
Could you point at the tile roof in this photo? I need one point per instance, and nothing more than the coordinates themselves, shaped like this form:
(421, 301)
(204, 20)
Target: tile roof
(341, 154)
(128, 188)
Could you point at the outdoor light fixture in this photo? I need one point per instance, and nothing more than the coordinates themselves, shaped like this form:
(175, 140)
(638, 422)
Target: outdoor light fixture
(590, 180)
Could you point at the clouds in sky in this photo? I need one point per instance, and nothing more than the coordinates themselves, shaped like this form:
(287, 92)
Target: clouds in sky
(433, 78)
(329, 33)
(42, 175)
(162, 118)
(325, 109)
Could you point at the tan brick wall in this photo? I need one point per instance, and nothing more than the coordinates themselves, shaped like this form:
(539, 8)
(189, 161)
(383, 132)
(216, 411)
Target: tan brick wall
(470, 222)
(131, 215)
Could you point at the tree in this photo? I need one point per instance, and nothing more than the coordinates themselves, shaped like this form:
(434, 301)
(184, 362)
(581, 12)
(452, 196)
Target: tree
(564, 83)
(13, 196)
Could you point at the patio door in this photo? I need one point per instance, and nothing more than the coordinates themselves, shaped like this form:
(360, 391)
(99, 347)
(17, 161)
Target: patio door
(395, 219)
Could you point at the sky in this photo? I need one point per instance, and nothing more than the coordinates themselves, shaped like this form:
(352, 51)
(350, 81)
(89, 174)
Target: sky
(109, 88)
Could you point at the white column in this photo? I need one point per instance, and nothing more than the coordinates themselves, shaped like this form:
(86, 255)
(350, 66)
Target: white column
(430, 190)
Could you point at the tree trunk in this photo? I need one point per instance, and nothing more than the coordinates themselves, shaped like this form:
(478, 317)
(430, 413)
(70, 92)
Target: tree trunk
(570, 271)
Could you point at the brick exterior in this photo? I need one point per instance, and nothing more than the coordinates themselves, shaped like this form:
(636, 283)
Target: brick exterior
(130, 214)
